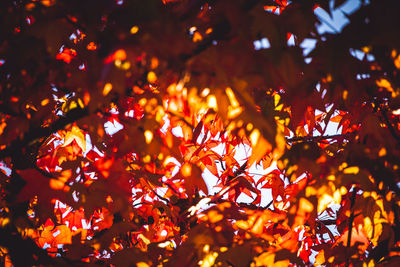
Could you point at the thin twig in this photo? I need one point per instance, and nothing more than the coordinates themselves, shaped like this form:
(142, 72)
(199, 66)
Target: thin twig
(36, 133)
(350, 225)
(318, 138)
(158, 195)
(389, 125)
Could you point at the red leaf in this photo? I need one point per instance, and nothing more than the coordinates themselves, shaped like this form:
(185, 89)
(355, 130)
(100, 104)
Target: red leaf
(66, 55)
(39, 185)
(42, 186)
(338, 117)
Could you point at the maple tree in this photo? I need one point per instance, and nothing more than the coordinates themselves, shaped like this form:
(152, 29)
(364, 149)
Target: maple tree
(118, 115)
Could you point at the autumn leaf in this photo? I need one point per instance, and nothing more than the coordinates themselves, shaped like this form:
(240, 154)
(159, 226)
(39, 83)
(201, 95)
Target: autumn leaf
(193, 179)
(40, 185)
(132, 132)
(75, 134)
(53, 236)
(66, 55)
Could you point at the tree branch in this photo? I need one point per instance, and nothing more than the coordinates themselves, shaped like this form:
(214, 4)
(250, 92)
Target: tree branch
(221, 31)
(38, 132)
(159, 196)
(23, 251)
(318, 138)
(8, 111)
(389, 125)
(350, 225)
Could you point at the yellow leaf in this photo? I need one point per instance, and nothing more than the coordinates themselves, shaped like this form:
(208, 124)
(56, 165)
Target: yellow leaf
(369, 264)
(197, 37)
(48, 2)
(209, 260)
(77, 135)
(144, 239)
(386, 84)
(280, 145)
(186, 170)
(320, 258)
(373, 229)
(268, 259)
(234, 112)
(107, 88)
(214, 216)
(397, 62)
(232, 97)
(277, 99)
(44, 102)
(351, 170)
(323, 202)
(142, 264)
(134, 29)
(151, 77)
(148, 135)
(383, 83)
(254, 136)
(259, 149)
(306, 205)
(59, 184)
(154, 63)
(205, 92)
(212, 102)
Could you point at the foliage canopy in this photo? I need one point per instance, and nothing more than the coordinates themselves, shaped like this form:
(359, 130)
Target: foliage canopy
(114, 113)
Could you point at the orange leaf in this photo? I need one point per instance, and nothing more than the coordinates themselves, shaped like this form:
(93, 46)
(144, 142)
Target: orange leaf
(66, 55)
(75, 134)
(52, 236)
(338, 117)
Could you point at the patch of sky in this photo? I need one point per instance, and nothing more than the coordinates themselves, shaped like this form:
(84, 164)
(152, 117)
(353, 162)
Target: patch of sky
(177, 131)
(332, 127)
(166, 124)
(291, 41)
(308, 45)
(89, 145)
(112, 127)
(263, 43)
(333, 23)
(360, 55)
(361, 76)
(337, 20)
(5, 169)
